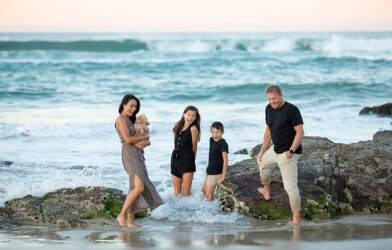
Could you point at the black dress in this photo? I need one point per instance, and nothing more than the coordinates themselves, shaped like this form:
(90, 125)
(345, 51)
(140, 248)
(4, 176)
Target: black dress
(183, 158)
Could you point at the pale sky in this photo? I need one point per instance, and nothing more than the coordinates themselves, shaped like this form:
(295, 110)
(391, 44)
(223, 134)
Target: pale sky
(194, 16)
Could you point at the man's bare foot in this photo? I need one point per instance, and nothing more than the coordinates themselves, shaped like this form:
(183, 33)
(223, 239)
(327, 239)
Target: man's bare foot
(133, 225)
(121, 221)
(296, 219)
(265, 195)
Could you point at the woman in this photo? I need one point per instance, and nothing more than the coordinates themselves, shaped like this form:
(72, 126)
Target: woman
(142, 193)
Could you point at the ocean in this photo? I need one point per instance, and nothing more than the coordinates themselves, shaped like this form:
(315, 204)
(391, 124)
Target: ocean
(59, 95)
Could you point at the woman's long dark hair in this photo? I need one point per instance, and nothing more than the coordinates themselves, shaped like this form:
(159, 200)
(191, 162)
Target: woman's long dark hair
(180, 124)
(125, 101)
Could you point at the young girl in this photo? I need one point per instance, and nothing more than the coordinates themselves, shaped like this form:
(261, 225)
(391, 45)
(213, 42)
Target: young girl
(217, 161)
(186, 136)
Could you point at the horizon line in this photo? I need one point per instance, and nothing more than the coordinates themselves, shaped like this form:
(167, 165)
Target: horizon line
(195, 32)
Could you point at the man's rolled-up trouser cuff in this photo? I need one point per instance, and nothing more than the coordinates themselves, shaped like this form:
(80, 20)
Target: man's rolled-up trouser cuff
(264, 173)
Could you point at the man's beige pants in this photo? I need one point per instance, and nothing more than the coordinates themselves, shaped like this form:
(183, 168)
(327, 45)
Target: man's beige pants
(289, 170)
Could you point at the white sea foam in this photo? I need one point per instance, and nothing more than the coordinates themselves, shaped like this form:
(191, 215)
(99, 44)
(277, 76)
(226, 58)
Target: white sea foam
(195, 46)
(42, 179)
(192, 209)
(45, 130)
(279, 45)
(338, 44)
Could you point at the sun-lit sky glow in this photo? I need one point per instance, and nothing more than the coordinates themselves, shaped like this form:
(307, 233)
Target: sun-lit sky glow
(194, 16)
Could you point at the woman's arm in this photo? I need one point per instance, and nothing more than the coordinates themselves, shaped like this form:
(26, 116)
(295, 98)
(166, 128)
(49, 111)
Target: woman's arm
(122, 127)
(195, 139)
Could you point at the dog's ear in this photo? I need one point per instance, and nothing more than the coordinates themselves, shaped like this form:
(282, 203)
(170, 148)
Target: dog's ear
(145, 119)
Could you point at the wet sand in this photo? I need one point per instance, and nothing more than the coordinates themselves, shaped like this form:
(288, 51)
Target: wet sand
(351, 232)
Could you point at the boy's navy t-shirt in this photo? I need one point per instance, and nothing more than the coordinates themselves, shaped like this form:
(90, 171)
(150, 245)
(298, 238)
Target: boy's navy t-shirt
(215, 159)
(281, 122)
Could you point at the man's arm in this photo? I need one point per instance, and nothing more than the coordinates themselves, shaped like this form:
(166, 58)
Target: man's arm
(266, 143)
(299, 130)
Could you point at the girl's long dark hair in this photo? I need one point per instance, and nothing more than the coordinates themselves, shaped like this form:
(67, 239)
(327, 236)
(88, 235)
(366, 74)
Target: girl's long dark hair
(125, 101)
(180, 124)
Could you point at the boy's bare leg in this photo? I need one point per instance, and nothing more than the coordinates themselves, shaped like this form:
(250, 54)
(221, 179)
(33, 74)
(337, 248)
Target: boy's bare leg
(203, 189)
(210, 189)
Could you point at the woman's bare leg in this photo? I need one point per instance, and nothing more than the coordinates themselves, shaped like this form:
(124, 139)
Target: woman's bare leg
(131, 198)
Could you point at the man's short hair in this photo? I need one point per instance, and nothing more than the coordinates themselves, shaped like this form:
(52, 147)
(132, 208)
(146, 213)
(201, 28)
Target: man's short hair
(274, 88)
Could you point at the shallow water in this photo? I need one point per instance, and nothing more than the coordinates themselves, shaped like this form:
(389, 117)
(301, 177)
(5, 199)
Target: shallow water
(351, 232)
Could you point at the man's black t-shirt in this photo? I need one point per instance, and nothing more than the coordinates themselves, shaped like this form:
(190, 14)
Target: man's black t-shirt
(215, 159)
(281, 122)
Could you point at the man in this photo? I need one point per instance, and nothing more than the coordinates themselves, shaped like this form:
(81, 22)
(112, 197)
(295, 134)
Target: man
(285, 128)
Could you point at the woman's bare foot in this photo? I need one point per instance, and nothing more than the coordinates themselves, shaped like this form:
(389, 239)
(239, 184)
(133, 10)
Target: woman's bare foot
(133, 225)
(264, 193)
(121, 221)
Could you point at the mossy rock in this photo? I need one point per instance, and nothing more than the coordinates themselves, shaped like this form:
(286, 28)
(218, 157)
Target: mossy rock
(48, 196)
(111, 208)
(324, 208)
(272, 211)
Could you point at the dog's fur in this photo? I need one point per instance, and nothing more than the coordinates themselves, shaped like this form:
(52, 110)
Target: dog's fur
(141, 128)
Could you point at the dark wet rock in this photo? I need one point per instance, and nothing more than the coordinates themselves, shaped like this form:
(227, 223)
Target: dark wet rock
(5, 221)
(242, 152)
(383, 137)
(24, 209)
(77, 167)
(255, 150)
(65, 207)
(382, 110)
(81, 167)
(334, 179)
(6, 163)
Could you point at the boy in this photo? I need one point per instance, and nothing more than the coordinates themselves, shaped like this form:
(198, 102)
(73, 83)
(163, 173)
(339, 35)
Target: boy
(217, 161)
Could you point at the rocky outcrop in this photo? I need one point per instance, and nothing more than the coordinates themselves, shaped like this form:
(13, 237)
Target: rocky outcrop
(243, 151)
(383, 110)
(334, 179)
(64, 207)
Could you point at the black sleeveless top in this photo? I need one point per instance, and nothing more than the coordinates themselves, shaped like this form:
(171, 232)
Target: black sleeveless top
(183, 158)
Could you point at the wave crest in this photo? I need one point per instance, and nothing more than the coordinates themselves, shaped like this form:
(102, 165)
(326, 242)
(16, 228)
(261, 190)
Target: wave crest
(339, 44)
(128, 45)
(334, 44)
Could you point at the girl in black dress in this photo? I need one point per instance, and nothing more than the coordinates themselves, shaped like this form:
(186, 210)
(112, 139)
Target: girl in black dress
(186, 136)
